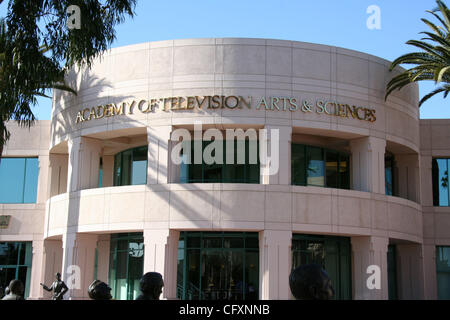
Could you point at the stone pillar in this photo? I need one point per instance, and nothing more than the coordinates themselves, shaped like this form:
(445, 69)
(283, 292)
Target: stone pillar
(103, 252)
(158, 154)
(410, 271)
(426, 182)
(78, 264)
(51, 264)
(37, 270)
(408, 176)
(283, 176)
(368, 164)
(108, 171)
(429, 266)
(42, 190)
(275, 264)
(58, 174)
(161, 250)
(84, 162)
(369, 251)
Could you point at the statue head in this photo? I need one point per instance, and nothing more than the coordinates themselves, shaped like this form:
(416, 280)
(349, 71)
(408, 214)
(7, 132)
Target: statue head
(310, 282)
(151, 285)
(98, 290)
(58, 276)
(16, 287)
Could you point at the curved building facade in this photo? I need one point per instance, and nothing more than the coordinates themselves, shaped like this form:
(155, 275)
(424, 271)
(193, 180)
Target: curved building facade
(354, 182)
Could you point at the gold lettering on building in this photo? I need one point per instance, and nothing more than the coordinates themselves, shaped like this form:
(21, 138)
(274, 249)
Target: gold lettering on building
(232, 102)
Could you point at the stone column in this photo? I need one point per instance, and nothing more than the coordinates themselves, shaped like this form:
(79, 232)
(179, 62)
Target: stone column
(429, 265)
(369, 251)
(426, 182)
(103, 252)
(158, 154)
(51, 264)
(283, 176)
(410, 271)
(42, 190)
(368, 164)
(84, 162)
(58, 174)
(78, 264)
(161, 249)
(275, 264)
(108, 171)
(408, 176)
(37, 270)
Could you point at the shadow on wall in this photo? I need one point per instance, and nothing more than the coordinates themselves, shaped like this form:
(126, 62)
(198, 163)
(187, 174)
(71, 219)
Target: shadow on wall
(176, 202)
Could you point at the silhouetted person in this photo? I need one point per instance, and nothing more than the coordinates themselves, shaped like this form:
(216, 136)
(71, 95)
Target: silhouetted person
(310, 282)
(15, 289)
(98, 290)
(151, 285)
(58, 287)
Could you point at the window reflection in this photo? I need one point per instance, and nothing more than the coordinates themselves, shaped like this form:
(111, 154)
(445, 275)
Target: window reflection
(314, 166)
(443, 272)
(237, 172)
(332, 253)
(130, 167)
(15, 263)
(389, 175)
(440, 182)
(218, 266)
(18, 180)
(126, 265)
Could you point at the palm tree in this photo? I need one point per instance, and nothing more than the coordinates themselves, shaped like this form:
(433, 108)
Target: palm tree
(433, 62)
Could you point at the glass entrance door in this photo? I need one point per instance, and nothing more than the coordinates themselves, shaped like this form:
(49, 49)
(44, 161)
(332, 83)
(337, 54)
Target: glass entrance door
(332, 253)
(218, 266)
(126, 265)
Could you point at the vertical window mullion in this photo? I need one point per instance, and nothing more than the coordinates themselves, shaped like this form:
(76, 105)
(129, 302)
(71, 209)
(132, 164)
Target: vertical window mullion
(24, 180)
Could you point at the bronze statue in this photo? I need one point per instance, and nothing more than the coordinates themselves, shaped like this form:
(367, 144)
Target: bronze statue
(58, 287)
(98, 290)
(15, 290)
(310, 282)
(151, 285)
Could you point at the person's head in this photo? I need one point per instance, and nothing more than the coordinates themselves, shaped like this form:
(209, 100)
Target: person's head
(310, 282)
(98, 290)
(16, 287)
(58, 276)
(151, 285)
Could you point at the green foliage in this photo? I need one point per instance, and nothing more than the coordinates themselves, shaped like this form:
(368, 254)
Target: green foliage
(433, 62)
(37, 49)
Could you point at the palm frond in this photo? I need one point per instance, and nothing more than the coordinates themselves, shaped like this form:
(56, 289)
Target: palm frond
(432, 63)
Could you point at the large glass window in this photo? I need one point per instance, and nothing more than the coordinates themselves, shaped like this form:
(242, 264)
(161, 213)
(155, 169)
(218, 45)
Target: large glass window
(392, 272)
(440, 182)
(130, 167)
(126, 265)
(314, 166)
(218, 266)
(15, 263)
(389, 175)
(332, 253)
(18, 180)
(443, 272)
(235, 172)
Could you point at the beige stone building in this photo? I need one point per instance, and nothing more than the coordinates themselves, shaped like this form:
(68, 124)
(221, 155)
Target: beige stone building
(361, 185)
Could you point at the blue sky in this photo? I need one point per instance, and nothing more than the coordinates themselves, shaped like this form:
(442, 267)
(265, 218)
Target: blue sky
(339, 23)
